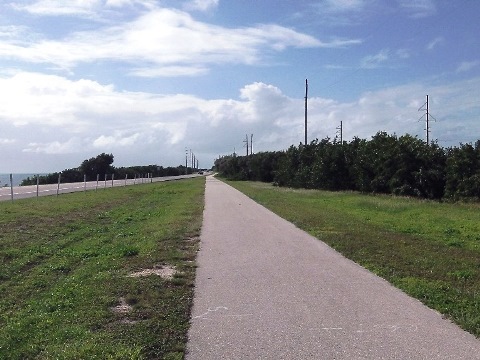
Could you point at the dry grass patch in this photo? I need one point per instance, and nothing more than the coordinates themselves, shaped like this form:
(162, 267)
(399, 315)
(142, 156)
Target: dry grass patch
(164, 271)
(122, 308)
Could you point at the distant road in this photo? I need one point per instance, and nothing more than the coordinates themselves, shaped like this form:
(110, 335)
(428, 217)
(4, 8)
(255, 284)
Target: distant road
(22, 192)
(264, 289)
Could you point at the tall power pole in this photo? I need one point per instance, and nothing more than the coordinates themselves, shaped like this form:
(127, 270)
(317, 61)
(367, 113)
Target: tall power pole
(340, 132)
(246, 142)
(306, 97)
(425, 107)
(251, 144)
(427, 125)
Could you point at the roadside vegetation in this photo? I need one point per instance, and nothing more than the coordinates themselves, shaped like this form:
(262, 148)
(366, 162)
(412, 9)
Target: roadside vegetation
(100, 275)
(101, 166)
(385, 164)
(428, 249)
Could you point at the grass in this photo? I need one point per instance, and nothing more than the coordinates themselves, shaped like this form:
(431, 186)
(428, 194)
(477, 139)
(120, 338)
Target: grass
(65, 263)
(429, 250)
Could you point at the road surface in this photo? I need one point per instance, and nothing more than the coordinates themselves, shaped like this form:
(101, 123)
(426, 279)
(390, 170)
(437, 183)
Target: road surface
(22, 192)
(266, 290)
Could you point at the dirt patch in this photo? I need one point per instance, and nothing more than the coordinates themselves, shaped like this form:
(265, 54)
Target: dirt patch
(122, 308)
(164, 271)
(128, 321)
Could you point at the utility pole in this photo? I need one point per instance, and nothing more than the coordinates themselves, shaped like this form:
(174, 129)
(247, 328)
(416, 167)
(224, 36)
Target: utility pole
(186, 162)
(306, 97)
(427, 127)
(340, 132)
(425, 107)
(251, 144)
(246, 142)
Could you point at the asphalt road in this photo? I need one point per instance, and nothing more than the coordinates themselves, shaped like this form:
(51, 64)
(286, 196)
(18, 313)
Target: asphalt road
(267, 290)
(22, 192)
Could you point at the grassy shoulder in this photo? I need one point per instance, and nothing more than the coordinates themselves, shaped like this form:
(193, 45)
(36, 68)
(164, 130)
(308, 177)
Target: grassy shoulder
(429, 250)
(65, 284)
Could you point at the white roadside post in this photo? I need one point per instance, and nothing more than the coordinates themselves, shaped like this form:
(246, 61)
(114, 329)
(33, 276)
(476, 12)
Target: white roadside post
(58, 185)
(11, 186)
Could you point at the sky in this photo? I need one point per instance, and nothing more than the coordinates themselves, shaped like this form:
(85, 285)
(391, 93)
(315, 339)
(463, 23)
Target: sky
(152, 80)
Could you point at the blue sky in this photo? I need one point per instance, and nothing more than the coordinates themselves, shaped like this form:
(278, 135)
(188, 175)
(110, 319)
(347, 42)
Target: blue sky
(146, 79)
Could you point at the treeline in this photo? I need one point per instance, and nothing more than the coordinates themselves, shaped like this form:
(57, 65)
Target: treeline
(101, 166)
(387, 164)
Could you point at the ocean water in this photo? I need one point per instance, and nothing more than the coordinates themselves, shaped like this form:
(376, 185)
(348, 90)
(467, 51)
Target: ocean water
(17, 179)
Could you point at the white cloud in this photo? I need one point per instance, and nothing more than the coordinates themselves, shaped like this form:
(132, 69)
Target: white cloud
(345, 5)
(419, 8)
(435, 42)
(31, 98)
(164, 42)
(79, 8)
(403, 53)
(73, 145)
(201, 5)
(467, 65)
(60, 7)
(170, 71)
(340, 12)
(384, 58)
(175, 131)
(113, 141)
(151, 128)
(374, 61)
(12, 31)
(148, 4)
(263, 102)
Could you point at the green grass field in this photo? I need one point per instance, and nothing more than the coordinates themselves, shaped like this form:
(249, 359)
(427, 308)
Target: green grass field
(65, 289)
(429, 250)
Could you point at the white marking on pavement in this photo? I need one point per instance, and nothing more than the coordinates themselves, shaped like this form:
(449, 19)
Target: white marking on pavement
(378, 327)
(209, 311)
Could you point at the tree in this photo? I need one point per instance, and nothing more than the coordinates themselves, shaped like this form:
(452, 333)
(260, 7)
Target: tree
(99, 165)
(463, 171)
(404, 166)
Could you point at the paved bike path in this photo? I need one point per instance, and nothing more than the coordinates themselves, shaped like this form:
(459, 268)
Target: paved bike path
(266, 290)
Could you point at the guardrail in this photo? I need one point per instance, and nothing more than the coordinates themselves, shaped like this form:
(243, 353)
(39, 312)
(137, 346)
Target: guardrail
(21, 192)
